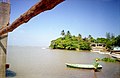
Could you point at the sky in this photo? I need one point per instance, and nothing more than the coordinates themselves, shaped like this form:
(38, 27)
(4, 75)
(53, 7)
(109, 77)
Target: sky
(85, 17)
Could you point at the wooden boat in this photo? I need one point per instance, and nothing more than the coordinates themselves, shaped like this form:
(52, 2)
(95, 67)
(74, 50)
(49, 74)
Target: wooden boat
(83, 66)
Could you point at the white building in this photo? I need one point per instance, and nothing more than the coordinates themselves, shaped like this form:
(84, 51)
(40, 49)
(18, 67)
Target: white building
(98, 47)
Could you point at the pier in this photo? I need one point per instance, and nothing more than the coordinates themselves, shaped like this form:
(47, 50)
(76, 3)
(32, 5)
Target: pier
(115, 53)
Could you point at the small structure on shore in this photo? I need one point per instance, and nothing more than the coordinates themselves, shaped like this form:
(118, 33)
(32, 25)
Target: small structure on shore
(98, 47)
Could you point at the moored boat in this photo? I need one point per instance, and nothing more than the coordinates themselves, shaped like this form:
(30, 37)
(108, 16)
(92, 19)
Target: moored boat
(82, 66)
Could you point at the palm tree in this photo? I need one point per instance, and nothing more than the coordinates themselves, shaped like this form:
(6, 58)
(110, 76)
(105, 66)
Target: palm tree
(79, 35)
(89, 37)
(62, 33)
(108, 35)
(68, 33)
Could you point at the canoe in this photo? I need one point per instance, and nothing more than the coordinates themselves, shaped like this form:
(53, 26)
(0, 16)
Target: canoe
(82, 66)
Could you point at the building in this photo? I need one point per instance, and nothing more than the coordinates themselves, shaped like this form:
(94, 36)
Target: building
(98, 47)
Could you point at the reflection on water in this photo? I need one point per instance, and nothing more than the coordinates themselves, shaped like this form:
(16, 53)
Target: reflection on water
(35, 62)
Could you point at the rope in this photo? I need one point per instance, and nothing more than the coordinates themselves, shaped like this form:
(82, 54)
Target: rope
(95, 76)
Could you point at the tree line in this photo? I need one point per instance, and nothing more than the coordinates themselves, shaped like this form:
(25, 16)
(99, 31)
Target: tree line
(72, 42)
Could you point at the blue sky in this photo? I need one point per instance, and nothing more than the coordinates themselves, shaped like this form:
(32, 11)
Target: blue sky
(87, 17)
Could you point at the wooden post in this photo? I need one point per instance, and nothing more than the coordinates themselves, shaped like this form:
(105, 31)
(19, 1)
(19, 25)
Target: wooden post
(4, 21)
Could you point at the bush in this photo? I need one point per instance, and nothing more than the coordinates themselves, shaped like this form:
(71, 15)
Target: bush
(108, 60)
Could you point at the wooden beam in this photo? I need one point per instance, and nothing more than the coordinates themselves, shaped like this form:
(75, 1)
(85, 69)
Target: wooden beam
(39, 7)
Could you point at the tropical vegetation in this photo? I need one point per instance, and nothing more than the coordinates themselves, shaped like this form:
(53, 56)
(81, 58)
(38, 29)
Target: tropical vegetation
(108, 59)
(71, 42)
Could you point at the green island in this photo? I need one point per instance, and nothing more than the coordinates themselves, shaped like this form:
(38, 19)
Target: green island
(68, 41)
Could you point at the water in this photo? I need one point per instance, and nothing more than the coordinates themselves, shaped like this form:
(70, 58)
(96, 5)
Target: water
(36, 62)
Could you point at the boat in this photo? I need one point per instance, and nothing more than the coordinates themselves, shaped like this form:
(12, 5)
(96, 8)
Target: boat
(82, 66)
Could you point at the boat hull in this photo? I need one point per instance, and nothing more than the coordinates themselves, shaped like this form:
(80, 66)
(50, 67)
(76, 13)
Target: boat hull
(83, 66)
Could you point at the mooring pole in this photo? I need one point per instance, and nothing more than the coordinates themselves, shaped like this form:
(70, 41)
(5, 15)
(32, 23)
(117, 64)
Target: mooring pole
(4, 21)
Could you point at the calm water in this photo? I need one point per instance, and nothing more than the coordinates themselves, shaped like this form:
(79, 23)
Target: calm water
(37, 62)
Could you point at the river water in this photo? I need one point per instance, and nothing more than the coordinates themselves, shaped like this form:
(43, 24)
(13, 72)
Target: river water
(37, 62)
